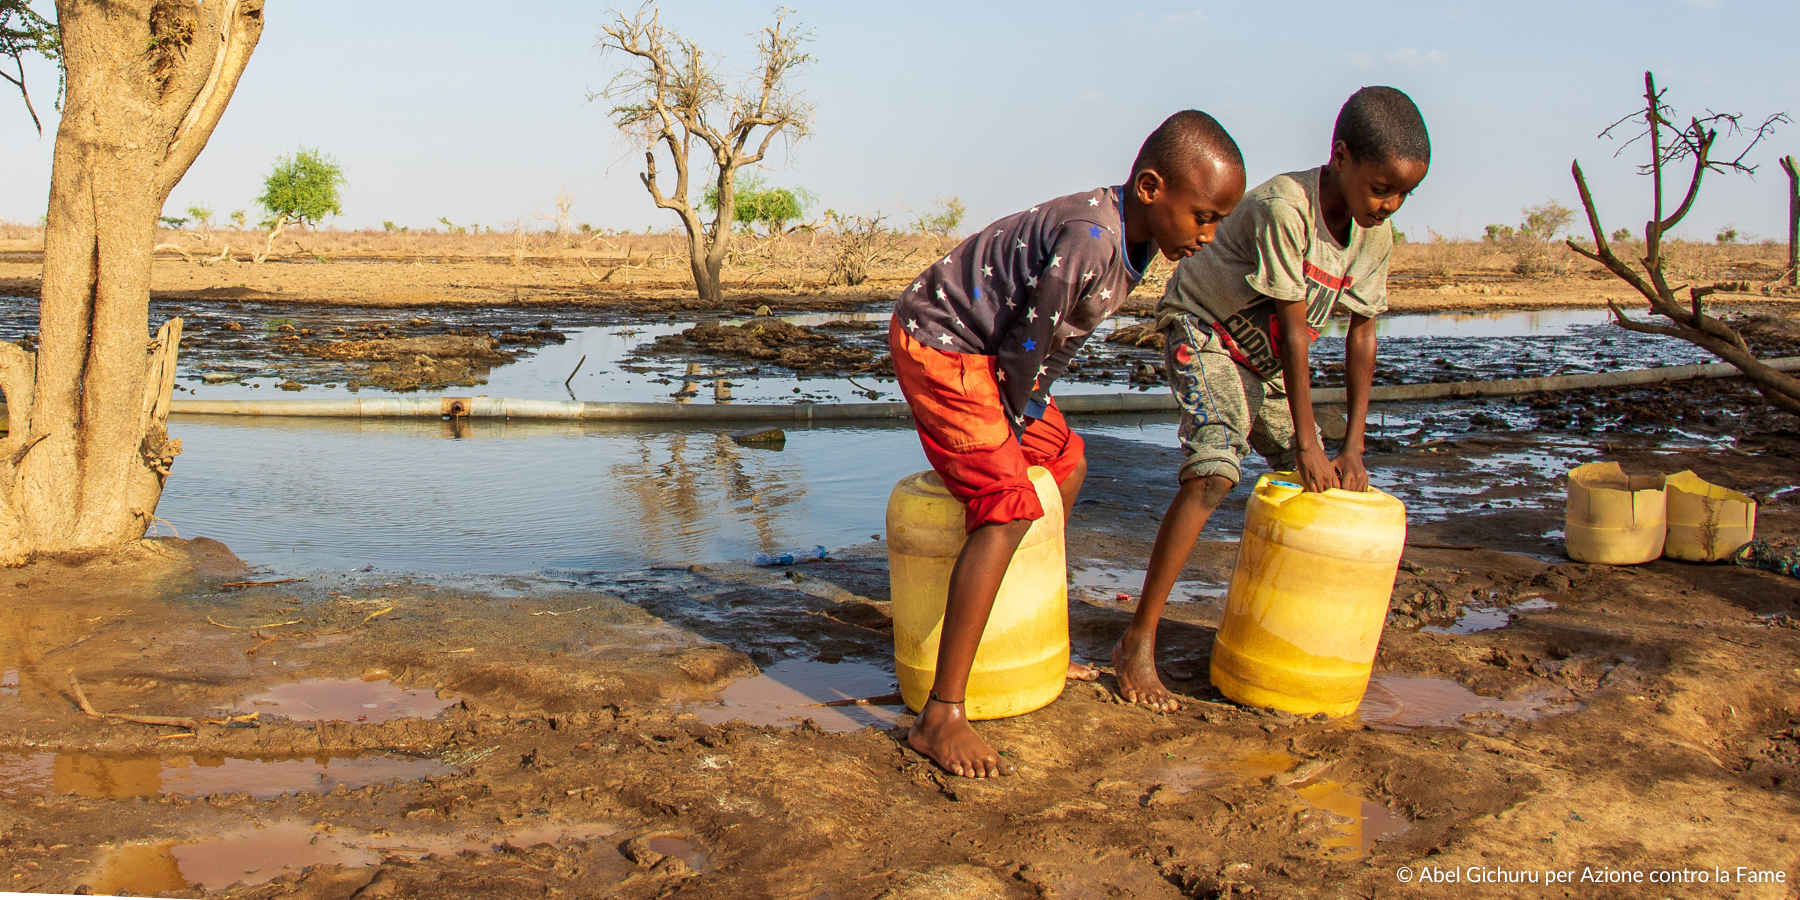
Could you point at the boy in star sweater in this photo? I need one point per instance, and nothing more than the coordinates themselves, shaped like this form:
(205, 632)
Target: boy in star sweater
(1237, 321)
(980, 337)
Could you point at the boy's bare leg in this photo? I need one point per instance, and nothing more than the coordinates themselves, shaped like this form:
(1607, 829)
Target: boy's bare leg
(1134, 658)
(942, 730)
(1070, 488)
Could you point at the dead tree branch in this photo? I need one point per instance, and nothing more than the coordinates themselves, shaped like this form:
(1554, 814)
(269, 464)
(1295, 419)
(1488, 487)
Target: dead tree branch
(1670, 143)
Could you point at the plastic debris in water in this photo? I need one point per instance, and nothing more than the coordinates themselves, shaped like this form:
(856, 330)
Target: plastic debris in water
(788, 559)
(1764, 555)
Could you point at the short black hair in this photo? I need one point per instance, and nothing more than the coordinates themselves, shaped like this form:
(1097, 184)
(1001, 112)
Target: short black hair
(1381, 124)
(1183, 140)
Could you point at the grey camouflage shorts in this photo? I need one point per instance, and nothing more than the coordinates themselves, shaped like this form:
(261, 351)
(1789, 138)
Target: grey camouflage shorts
(1226, 410)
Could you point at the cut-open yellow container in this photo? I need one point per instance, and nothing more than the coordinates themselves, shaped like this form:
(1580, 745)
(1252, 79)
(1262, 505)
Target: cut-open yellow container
(1707, 523)
(1614, 518)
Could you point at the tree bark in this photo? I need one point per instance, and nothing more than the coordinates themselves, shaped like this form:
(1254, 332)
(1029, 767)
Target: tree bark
(84, 463)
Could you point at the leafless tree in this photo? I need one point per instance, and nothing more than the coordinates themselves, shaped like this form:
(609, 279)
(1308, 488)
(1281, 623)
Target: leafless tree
(87, 452)
(565, 204)
(670, 96)
(1671, 143)
(861, 240)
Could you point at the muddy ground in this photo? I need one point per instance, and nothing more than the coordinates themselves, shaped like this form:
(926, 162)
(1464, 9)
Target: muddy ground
(1632, 719)
(1639, 718)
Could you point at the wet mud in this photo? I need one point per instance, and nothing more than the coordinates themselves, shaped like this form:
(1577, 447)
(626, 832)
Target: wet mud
(771, 341)
(676, 731)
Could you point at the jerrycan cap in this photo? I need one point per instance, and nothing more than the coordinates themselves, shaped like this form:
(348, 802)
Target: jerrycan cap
(931, 483)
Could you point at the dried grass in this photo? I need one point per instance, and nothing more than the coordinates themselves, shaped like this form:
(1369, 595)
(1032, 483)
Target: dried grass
(808, 259)
(1684, 260)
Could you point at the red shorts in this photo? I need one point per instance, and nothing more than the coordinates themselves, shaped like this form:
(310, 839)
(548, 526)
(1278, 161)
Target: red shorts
(956, 408)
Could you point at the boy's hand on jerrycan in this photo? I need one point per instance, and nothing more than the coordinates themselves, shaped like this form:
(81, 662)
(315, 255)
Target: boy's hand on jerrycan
(1352, 476)
(1317, 474)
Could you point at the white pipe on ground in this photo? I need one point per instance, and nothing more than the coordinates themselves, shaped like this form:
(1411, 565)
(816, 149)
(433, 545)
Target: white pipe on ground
(1086, 404)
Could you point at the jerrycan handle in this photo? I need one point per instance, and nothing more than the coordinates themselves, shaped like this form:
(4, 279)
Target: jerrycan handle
(1288, 490)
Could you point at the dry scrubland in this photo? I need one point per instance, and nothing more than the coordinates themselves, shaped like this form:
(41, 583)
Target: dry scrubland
(1662, 731)
(422, 268)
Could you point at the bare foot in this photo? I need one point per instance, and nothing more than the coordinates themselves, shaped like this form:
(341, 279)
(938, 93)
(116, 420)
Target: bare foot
(1082, 672)
(942, 734)
(1134, 662)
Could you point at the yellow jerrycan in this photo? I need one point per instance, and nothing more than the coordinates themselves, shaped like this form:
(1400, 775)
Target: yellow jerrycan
(1707, 522)
(1024, 653)
(1613, 518)
(1303, 615)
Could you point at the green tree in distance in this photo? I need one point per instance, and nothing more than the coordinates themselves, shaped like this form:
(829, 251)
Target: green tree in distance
(302, 190)
(946, 221)
(761, 204)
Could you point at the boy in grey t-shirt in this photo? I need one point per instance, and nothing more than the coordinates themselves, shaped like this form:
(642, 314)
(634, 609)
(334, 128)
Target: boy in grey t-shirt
(1297, 247)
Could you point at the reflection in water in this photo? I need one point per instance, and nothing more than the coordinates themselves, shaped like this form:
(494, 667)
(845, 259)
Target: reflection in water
(678, 489)
(1362, 822)
(500, 497)
(264, 852)
(1487, 324)
(346, 700)
(1397, 701)
(124, 776)
(794, 690)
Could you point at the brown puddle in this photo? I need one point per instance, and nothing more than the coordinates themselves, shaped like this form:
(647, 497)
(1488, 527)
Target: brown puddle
(1394, 701)
(257, 854)
(119, 777)
(1359, 822)
(1364, 821)
(685, 850)
(250, 855)
(345, 700)
(1254, 769)
(794, 690)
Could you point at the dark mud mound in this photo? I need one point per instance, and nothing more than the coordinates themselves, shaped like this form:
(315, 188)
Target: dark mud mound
(773, 341)
(415, 363)
(1770, 334)
(1143, 334)
(479, 348)
(1717, 407)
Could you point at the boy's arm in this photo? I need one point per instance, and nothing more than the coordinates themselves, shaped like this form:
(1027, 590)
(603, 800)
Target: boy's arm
(1359, 375)
(1316, 472)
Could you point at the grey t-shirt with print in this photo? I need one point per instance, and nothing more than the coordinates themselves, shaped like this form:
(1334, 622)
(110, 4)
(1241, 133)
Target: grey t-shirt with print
(1275, 246)
(1028, 290)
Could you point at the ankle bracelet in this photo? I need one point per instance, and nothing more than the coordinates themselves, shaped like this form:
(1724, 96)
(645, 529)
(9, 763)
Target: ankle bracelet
(934, 696)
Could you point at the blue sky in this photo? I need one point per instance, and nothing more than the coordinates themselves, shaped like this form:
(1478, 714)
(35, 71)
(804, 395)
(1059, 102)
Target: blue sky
(478, 111)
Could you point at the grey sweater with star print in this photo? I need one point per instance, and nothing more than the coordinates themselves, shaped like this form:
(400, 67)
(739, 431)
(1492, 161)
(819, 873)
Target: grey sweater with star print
(1029, 290)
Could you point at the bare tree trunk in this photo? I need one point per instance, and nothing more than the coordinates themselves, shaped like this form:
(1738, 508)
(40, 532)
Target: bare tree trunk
(84, 463)
(706, 280)
(1789, 165)
(275, 232)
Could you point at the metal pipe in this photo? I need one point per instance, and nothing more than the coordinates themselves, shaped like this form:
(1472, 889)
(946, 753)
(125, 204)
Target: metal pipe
(1086, 404)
